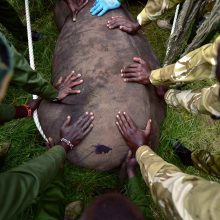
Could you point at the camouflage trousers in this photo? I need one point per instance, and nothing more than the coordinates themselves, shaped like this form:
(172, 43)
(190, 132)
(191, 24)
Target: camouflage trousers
(207, 161)
(205, 101)
(195, 66)
(199, 64)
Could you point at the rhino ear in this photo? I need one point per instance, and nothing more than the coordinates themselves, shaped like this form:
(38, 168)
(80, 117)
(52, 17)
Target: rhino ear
(217, 72)
(61, 13)
(148, 127)
(67, 121)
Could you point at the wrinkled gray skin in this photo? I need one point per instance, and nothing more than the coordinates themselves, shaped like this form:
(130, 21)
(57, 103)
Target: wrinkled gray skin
(91, 49)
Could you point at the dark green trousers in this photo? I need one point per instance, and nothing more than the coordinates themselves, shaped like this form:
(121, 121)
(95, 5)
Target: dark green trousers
(38, 180)
(11, 21)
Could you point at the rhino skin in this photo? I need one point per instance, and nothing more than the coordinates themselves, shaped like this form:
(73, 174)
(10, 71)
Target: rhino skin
(88, 47)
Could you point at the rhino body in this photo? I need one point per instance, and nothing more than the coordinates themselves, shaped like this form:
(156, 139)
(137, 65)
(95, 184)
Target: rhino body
(88, 47)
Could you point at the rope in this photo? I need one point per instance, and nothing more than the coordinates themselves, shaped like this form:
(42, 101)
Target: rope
(175, 18)
(32, 64)
(173, 27)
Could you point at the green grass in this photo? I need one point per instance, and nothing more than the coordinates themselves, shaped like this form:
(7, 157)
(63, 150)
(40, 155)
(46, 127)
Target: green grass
(196, 132)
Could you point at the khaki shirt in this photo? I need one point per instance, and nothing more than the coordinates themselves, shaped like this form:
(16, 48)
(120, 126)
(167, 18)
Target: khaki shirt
(199, 64)
(154, 9)
(179, 195)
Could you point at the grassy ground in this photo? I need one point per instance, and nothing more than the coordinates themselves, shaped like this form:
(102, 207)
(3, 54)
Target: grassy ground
(197, 132)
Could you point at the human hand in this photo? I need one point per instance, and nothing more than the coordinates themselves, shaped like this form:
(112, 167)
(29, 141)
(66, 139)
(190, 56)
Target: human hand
(34, 104)
(65, 86)
(133, 136)
(50, 142)
(102, 6)
(28, 109)
(138, 72)
(76, 6)
(72, 134)
(131, 165)
(124, 24)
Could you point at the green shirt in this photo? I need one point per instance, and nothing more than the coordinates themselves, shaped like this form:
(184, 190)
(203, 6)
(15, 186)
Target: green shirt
(26, 78)
(20, 186)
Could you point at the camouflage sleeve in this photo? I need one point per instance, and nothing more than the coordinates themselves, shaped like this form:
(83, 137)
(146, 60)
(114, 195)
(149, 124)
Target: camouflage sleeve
(154, 9)
(204, 101)
(206, 161)
(197, 65)
(179, 195)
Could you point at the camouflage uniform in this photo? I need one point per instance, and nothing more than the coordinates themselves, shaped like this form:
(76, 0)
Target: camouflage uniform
(179, 195)
(206, 161)
(197, 65)
(154, 9)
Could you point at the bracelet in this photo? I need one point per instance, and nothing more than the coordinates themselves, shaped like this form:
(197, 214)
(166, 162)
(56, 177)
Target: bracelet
(67, 142)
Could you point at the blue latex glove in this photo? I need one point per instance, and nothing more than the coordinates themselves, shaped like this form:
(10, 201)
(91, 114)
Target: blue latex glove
(102, 6)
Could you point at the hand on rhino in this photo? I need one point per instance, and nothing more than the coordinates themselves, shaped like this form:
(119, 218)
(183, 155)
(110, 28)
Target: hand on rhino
(34, 104)
(138, 72)
(71, 133)
(133, 136)
(65, 85)
(124, 24)
(102, 6)
(75, 6)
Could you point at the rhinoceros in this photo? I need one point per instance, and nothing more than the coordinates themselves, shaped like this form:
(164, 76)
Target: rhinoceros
(88, 47)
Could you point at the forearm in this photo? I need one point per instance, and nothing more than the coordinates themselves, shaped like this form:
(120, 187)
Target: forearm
(9, 112)
(196, 65)
(154, 9)
(150, 164)
(20, 186)
(30, 80)
(178, 194)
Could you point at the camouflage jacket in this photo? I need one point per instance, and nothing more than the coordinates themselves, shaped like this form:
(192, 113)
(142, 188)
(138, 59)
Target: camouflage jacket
(179, 195)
